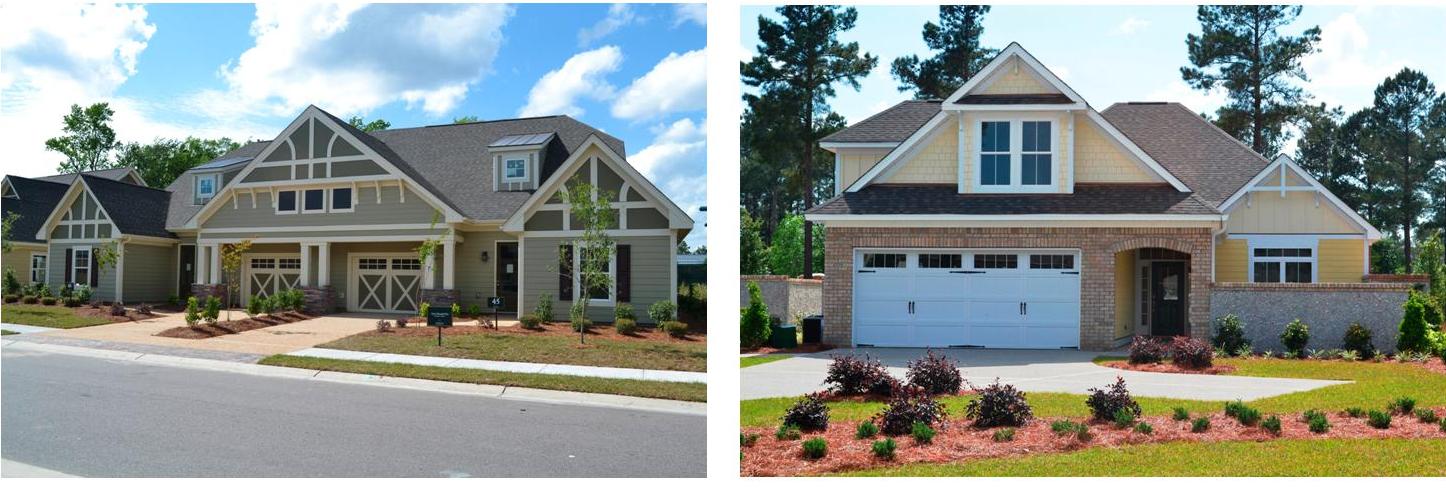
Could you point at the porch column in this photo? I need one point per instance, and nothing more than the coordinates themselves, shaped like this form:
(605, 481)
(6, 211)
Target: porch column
(449, 263)
(323, 264)
(213, 265)
(305, 265)
(197, 275)
(429, 272)
(120, 271)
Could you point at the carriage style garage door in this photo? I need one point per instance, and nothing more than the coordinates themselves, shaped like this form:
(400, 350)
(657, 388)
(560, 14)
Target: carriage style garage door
(267, 274)
(389, 283)
(978, 298)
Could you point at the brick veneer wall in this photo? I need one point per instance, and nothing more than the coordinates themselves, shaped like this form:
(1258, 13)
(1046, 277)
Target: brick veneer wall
(1097, 271)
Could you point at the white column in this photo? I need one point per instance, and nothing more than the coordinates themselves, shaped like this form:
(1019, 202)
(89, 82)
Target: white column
(449, 263)
(323, 263)
(120, 271)
(213, 265)
(305, 264)
(198, 265)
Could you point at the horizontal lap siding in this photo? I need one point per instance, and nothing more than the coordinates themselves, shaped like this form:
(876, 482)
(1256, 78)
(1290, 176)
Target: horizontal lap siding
(474, 278)
(104, 290)
(1341, 261)
(364, 201)
(150, 273)
(1231, 261)
(651, 275)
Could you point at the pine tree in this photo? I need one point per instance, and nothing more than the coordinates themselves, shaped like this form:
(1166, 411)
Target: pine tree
(958, 55)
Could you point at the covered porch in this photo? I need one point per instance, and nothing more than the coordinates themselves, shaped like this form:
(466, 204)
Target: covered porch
(1160, 292)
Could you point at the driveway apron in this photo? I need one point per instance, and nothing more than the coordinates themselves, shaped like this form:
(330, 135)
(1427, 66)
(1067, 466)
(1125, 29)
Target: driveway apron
(265, 341)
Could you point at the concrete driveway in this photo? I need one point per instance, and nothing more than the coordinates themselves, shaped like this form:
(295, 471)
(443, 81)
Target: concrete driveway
(1030, 370)
(266, 341)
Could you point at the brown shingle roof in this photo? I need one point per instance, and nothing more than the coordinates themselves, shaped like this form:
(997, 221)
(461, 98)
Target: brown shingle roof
(937, 199)
(1205, 158)
(891, 125)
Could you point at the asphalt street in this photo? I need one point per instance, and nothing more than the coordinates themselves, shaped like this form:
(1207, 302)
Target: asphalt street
(102, 418)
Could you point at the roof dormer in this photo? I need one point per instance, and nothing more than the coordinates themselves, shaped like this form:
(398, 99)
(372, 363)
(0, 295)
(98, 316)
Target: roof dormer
(517, 161)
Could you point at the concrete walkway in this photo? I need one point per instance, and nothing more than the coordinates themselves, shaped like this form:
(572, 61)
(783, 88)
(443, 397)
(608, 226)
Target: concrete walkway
(509, 366)
(1030, 370)
(23, 328)
(265, 341)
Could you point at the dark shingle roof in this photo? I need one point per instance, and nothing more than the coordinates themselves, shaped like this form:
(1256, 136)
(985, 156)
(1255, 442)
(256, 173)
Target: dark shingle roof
(1015, 99)
(936, 199)
(135, 210)
(1205, 158)
(36, 200)
(114, 174)
(891, 125)
(182, 189)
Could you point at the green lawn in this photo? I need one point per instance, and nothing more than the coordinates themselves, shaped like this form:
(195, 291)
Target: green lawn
(48, 316)
(554, 349)
(748, 361)
(1374, 385)
(640, 388)
(1286, 457)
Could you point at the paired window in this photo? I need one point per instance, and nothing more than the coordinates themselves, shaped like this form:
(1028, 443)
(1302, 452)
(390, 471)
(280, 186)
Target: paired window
(37, 267)
(286, 202)
(1282, 265)
(80, 267)
(514, 169)
(315, 201)
(341, 200)
(206, 186)
(1025, 162)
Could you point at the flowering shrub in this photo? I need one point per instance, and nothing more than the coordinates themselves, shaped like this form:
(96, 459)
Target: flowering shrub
(935, 373)
(1145, 350)
(850, 375)
(999, 405)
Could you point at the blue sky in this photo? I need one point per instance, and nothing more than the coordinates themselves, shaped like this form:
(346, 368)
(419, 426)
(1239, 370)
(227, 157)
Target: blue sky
(236, 70)
(1114, 54)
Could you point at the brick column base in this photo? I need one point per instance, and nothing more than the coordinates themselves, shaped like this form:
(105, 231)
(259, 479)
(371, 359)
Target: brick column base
(441, 296)
(202, 291)
(318, 299)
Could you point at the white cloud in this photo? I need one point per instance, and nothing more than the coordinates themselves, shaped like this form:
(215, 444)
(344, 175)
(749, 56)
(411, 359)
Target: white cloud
(696, 13)
(1345, 72)
(1131, 26)
(1197, 101)
(619, 15)
(677, 83)
(677, 162)
(582, 75)
(352, 58)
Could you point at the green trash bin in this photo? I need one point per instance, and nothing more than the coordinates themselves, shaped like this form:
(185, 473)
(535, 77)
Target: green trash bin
(784, 337)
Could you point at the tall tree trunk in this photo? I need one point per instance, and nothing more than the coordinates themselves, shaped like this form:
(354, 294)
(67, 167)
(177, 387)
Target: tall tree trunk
(1257, 119)
(807, 167)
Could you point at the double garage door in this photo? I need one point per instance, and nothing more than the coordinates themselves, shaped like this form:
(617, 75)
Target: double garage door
(386, 283)
(266, 274)
(1023, 299)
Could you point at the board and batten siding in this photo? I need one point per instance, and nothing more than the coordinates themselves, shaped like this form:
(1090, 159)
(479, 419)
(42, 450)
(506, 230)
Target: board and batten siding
(150, 273)
(651, 276)
(1298, 212)
(366, 211)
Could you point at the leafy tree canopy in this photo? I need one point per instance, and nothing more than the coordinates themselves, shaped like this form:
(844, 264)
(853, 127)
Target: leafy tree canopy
(163, 160)
(88, 140)
(368, 126)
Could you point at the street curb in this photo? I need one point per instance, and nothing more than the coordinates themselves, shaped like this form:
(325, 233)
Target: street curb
(12, 469)
(479, 390)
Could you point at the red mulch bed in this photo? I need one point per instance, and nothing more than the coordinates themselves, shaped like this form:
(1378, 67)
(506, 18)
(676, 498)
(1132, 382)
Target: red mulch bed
(801, 349)
(104, 313)
(957, 441)
(606, 332)
(1168, 368)
(205, 331)
(1435, 364)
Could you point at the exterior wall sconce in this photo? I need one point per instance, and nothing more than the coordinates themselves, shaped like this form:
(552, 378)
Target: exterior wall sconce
(484, 256)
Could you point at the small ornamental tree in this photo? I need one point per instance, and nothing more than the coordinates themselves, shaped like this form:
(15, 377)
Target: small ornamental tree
(231, 256)
(754, 324)
(593, 212)
(5, 226)
(1413, 327)
(106, 255)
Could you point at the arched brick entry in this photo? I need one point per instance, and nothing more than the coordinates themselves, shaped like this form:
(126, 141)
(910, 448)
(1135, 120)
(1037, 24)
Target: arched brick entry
(1198, 314)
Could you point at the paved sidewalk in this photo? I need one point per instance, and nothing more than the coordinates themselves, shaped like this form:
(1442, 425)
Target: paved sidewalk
(508, 366)
(109, 345)
(23, 328)
(1030, 370)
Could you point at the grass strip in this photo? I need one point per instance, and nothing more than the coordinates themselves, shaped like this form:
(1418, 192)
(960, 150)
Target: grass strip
(747, 361)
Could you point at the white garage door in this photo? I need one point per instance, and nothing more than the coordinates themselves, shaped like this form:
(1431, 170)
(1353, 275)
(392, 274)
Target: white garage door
(976, 298)
(267, 274)
(384, 283)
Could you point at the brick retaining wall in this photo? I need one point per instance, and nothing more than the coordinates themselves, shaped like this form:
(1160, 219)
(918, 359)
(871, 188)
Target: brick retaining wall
(1327, 308)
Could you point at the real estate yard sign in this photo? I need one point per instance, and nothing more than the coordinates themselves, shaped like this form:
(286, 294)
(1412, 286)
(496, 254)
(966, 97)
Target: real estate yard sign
(439, 317)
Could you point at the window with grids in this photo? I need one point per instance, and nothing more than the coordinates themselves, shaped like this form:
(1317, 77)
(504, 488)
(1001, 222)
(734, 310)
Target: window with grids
(1034, 162)
(994, 154)
(885, 260)
(1282, 265)
(1051, 261)
(288, 263)
(407, 264)
(37, 267)
(514, 169)
(263, 263)
(80, 266)
(996, 261)
(371, 264)
(1145, 295)
(941, 260)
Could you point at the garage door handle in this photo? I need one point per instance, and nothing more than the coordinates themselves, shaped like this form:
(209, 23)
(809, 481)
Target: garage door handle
(1069, 272)
(966, 272)
(1026, 308)
(866, 270)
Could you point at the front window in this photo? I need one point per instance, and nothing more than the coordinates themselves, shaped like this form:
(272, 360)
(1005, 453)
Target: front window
(286, 202)
(341, 200)
(1282, 265)
(604, 262)
(514, 169)
(37, 267)
(1017, 154)
(80, 266)
(1035, 165)
(994, 157)
(314, 200)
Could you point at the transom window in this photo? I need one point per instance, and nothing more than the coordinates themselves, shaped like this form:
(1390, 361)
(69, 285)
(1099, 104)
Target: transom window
(1051, 261)
(514, 169)
(1022, 164)
(1282, 265)
(885, 260)
(941, 261)
(996, 261)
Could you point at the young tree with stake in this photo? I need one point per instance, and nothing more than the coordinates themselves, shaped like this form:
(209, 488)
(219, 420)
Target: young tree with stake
(593, 212)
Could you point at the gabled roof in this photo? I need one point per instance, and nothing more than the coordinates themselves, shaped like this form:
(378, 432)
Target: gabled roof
(1286, 164)
(992, 69)
(677, 217)
(115, 174)
(36, 199)
(1087, 199)
(135, 210)
(891, 125)
(1214, 164)
(183, 189)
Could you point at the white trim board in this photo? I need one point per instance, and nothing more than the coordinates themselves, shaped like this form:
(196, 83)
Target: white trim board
(678, 219)
(1285, 162)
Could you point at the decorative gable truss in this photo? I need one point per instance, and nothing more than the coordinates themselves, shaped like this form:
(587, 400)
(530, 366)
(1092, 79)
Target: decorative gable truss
(1290, 186)
(642, 209)
(316, 150)
(1012, 89)
(78, 218)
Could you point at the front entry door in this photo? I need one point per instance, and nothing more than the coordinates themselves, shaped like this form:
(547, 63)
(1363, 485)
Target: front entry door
(1169, 298)
(507, 275)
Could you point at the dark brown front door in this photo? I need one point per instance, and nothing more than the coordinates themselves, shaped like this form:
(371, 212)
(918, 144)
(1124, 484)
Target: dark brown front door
(507, 275)
(187, 272)
(1169, 301)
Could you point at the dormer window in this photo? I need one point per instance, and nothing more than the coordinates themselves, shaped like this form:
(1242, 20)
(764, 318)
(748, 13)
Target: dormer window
(206, 186)
(1015, 155)
(514, 169)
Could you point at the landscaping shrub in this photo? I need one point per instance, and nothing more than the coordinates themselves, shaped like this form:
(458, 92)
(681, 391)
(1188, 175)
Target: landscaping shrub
(815, 448)
(866, 429)
(808, 413)
(1063, 428)
(577, 317)
(30, 299)
(193, 312)
(922, 433)
(1144, 428)
(383, 325)
(253, 306)
(48, 301)
(1427, 415)
(143, 309)
(1123, 418)
(1201, 424)
(1106, 403)
(1432, 310)
(1271, 424)
(1004, 435)
(1379, 419)
(474, 311)
(456, 310)
(1317, 421)
(1191, 354)
(11, 284)
(1413, 326)
(1358, 339)
(1180, 414)
(884, 448)
(747, 440)
(935, 373)
(1230, 335)
(999, 405)
(754, 324)
(11, 298)
(623, 310)
(663, 310)
(625, 326)
(907, 406)
(850, 375)
(543, 310)
(422, 311)
(1403, 405)
(71, 302)
(1355, 412)
(530, 321)
(1146, 349)
(886, 385)
(787, 433)
(1295, 337)
(1443, 425)
(212, 311)
(1247, 416)
(676, 329)
(1083, 434)
(119, 309)
(401, 322)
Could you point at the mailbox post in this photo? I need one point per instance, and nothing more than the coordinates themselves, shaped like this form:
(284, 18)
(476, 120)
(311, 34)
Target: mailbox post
(496, 303)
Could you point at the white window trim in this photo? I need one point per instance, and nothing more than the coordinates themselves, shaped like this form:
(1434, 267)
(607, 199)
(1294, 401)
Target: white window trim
(1282, 241)
(331, 201)
(196, 188)
(577, 291)
(1016, 153)
(276, 203)
(301, 200)
(44, 269)
(526, 168)
(88, 267)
